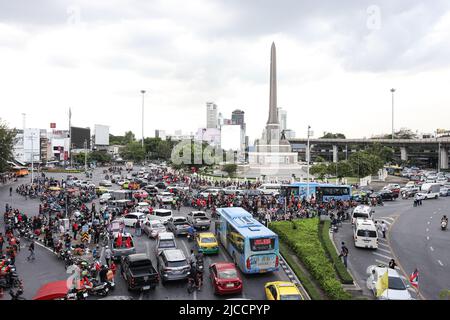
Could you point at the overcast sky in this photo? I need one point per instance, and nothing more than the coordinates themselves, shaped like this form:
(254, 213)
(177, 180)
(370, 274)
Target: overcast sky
(337, 61)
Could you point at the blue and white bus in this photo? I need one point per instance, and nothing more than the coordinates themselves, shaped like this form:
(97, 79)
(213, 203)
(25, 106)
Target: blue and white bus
(252, 246)
(322, 192)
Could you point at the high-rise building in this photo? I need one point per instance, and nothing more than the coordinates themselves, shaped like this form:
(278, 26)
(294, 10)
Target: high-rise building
(282, 119)
(211, 115)
(237, 117)
(160, 134)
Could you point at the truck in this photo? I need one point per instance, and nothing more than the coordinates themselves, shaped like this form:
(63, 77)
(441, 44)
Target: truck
(199, 220)
(139, 273)
(429, 191)
(129, 165)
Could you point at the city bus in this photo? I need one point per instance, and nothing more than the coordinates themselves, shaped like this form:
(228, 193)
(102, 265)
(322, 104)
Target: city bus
(252, 246)
(322, 192)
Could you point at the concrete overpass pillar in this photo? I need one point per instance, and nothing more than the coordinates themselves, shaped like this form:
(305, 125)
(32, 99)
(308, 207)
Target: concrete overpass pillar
(444, 158)
(403, 154)
(335, 153)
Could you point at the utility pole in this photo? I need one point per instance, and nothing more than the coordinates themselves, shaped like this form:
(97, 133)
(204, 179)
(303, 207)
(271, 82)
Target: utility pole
(392, 91)
(85, 156)
(143, 95)
(32, 159)
(308, 159)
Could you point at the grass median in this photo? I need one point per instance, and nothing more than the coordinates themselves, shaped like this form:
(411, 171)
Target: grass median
(313, 293)
(341, 271)
(305, 241)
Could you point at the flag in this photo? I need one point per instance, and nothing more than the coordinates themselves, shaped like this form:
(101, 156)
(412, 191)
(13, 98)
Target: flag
(119, 240)
(414, 279)
(382, 283)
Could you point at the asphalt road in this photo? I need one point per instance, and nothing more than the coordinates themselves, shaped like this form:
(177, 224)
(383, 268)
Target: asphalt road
(407, 243)
(419, 242)
(47, 267)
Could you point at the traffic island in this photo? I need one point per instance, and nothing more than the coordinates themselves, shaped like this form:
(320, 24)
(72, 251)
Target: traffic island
(302, 237)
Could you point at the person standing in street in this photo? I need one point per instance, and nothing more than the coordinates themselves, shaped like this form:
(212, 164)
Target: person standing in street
(108, 254)
(2, 241)
(383, 228)
(10, 191)
(31, 249)
(344, 253)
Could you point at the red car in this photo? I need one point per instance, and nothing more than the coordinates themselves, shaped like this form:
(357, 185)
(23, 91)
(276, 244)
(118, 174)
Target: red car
(225, 278)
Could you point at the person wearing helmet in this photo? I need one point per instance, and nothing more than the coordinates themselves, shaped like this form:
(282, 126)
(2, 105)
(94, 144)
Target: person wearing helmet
(444, 218)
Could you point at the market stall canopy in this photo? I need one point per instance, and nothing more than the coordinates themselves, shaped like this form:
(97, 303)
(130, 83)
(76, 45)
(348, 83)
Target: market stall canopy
(52, 291)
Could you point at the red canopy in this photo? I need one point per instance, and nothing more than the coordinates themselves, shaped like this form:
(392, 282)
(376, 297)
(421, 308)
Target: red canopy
(52, 290)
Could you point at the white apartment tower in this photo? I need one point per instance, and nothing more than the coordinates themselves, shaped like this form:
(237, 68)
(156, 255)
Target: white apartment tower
(211, 115)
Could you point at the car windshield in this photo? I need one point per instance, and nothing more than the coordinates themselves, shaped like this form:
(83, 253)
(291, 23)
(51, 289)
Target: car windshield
(180, 222)
(157, 225)
(396, 283)
(227, 274)
(208, 240)
(169, 243)
(290, 297)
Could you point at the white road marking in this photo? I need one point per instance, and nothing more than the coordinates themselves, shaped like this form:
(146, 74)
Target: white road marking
(387, 222)
(439, 261)
(431, 217)
(428, 222)
(431, 248)
(195, 294)
(383, 244)
(141, 295)
(382, 255)
(428, 229)
(428, 238)
(384, 250)
(41, 245)
(382, 262)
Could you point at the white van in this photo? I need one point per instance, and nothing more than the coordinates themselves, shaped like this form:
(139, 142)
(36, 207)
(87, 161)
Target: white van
(160, 214)
(429, 191)
(365, 234)
(362, 211)
(270, 188)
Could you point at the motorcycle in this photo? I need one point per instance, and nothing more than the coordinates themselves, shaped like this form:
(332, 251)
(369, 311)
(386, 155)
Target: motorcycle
(16, 295)
(444, 225)
(98, 288)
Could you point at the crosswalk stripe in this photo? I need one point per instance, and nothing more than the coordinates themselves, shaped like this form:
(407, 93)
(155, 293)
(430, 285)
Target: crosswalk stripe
(384, 250)
(382, 255)
(382, 262)
(383, 244)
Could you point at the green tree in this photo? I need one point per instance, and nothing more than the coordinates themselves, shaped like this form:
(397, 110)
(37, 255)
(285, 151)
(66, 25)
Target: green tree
(319, 170)
(116, 140)
(330, 135)
(7, 138)
(133, 151)
(129, 137)
(230, 168)
(319, 159)
(364, 163)
(100, 156)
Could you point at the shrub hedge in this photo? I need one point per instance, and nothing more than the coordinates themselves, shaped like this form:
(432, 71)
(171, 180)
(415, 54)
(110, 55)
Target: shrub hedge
(305, 242)
(341, 271)
(306, 282)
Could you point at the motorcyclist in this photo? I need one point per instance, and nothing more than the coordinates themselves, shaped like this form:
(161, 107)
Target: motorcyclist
(191, 232)
(193, 275)
(444, 218)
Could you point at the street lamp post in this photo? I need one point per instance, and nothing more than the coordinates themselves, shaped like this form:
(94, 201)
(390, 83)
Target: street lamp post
(143, 94)
(308, 151)
(392, 91)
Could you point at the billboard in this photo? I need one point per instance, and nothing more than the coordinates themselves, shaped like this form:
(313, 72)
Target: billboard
(31, 145)
(101, 135)
(79, 136)
(231, 138)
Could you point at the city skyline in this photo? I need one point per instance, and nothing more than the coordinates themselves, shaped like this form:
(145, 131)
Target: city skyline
(330, 75)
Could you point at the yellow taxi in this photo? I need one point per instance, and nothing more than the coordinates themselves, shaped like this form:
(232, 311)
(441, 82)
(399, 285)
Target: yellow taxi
(282, 290)
(207, 243)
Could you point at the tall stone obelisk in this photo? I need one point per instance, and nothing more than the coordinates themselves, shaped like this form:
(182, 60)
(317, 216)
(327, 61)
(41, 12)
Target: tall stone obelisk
(273, 125)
